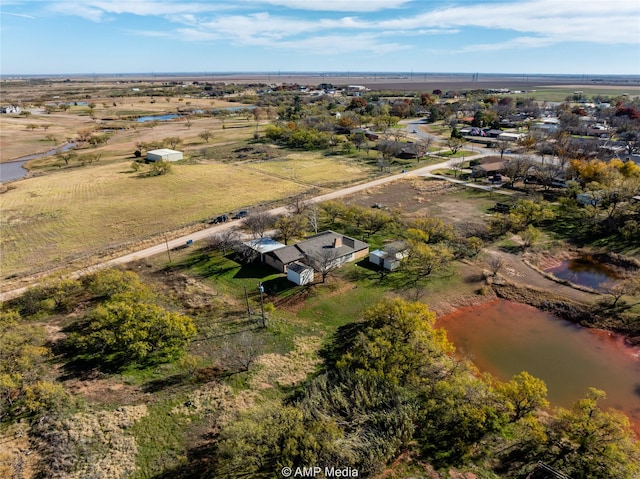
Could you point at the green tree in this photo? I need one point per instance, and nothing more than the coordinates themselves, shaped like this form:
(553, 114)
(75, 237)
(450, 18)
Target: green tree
(586, 442)
(523, 395)
(117, 284)
(172, 141)
(123, 332)
(530, 235)
(397, 342)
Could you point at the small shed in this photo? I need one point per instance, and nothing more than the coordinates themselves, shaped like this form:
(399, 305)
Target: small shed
(164, 154)
(390, 256)
(299, 273)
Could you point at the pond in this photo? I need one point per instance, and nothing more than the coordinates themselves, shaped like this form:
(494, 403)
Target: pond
(14, 170)
(504, 338)
(585, 271)
(167, 117)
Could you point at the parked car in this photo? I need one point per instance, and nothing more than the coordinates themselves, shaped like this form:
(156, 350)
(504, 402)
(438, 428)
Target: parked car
(240, 214)
(220, 219)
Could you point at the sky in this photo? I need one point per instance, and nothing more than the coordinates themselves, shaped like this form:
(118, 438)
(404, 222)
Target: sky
(584, 37)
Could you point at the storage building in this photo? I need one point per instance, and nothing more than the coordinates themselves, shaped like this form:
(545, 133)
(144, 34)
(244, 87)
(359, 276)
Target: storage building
(164, 154)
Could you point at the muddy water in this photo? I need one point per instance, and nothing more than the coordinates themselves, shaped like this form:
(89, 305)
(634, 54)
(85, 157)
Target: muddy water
(504, 338)
(585, 271)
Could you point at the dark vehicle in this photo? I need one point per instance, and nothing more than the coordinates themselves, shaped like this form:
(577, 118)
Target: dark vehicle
(502, 208)
(220, 219)
(240, 214)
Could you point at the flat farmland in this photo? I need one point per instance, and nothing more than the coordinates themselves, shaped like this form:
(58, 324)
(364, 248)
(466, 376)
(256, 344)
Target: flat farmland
(52, 220)
(314, 169)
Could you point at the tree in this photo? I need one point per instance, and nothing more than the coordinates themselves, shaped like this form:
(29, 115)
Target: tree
(325, 261)
(225, 241)
(173, 141)
(530, 235)
(206, 135)
(241, 351)
(455, 144)
(423, 260)
(586, 442)
(123, 332)
(374, 221)
(523, 395)
(257, 224)
(32, 126)
(502, 146)
(625, 287)
(397, 342)
(516, 168)
(291, 226)
(159, 168)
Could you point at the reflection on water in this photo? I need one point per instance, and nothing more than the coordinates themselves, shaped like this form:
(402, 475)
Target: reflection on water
(504, 338)
(585, 271)
(167, 117)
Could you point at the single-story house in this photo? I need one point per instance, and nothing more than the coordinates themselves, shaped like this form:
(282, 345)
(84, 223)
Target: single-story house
(299, 273)
(164, 154)
(324, 247)
(390, 256)
(510, 136)
(487, 169)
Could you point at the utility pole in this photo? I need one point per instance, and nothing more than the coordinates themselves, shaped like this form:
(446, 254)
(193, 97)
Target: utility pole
(261, 289)
(246, 295)
(167, 243)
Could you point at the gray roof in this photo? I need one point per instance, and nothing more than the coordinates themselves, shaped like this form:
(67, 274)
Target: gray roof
(298, 267)
(287, 255)
(314, 246)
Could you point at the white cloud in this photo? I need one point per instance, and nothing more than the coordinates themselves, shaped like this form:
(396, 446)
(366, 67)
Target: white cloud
(335, 5)
(591, 21)
(18, 15)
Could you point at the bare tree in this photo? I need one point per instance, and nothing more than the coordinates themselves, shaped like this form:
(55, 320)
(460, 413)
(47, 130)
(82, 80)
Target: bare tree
(206, 135)
(516, 168)
(422, 146)
(257, 224)
(239, 353)
(313, 217)
(298, 205)
(325, 262)
(496, 263)
(501, 146)
(225, 241)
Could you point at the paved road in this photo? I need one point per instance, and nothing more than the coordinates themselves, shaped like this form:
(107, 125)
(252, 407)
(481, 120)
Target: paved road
(208, 232)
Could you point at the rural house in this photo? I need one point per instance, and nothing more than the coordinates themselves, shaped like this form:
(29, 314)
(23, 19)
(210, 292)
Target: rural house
(326, 248)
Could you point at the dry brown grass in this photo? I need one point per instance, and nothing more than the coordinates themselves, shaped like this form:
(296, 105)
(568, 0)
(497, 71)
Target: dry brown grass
(287, 370)
(51, 219)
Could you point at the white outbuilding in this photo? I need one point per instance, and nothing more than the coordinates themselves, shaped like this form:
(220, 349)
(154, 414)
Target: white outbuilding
(299, 273)
(164, 154)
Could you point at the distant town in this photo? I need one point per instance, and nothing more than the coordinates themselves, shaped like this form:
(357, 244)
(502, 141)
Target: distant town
(331, 274)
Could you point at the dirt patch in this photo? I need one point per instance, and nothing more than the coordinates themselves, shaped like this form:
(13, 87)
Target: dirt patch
(106, 391)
